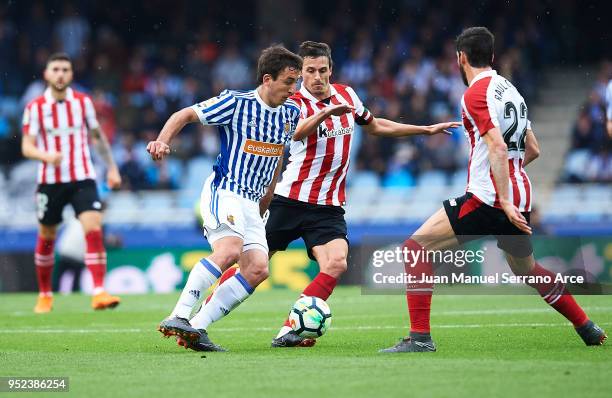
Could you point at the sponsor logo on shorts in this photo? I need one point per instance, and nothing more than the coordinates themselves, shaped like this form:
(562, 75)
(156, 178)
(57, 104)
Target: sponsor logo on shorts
(97, 205)
(453, 202)
(230, 219)
(195, 293)
(263, 148)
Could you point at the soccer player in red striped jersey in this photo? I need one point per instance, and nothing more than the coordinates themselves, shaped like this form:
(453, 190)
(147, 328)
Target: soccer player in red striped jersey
(308, 202)
(56, 126)
(498, 196)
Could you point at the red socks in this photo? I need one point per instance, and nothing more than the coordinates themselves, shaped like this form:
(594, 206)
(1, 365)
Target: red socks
(321, 286)
(418, 294)
(95, 258)
(556, 295)
(43, 259)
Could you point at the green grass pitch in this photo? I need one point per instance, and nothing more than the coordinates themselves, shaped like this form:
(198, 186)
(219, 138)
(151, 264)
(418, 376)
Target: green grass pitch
(488, 346)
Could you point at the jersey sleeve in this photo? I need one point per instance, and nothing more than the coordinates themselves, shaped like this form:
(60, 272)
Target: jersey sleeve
(300, 103)
(362, 114)
(90, 113)
(481, 108)
(217, 110)
(30, 123)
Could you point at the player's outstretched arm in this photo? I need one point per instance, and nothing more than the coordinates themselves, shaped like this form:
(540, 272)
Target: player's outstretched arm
(113, 178)
(309, 125)
(498, 159)
(161, 146)
(388, 128)
(532, 149)
(30, 150)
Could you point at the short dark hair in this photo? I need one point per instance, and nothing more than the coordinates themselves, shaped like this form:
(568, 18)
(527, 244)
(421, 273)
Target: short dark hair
(59, 57)
(314, 50)
(273, 60)
(477, 43)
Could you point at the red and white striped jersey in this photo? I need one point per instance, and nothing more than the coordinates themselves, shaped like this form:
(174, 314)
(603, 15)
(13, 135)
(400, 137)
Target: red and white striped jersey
(62, 126)
(316, 172)
(492, 101)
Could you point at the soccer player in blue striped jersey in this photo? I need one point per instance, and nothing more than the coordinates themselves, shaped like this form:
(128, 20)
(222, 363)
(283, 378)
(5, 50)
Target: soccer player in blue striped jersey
(254, 127)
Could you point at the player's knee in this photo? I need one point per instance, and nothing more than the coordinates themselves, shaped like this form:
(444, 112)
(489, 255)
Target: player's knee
(336, 265)
(227, 257)
(520, 268)
(47, 232)
(256, 273)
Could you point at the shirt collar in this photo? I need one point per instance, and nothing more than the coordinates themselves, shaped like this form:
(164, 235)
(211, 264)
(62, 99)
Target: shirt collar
(49, 96)
(263, 104)
(482, 75)
(311, 97)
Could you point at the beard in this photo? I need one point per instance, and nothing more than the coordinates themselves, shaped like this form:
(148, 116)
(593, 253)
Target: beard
(60, 86)
(463, 76)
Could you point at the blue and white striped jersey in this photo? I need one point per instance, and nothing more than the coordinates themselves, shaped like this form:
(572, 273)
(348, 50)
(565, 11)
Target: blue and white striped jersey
(253, 137)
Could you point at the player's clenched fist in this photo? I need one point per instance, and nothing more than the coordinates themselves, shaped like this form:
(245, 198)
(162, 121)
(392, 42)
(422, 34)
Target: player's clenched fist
(55, 158)
(158, 149)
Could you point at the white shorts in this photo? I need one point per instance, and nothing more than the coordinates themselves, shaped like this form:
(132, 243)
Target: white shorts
(225, 213)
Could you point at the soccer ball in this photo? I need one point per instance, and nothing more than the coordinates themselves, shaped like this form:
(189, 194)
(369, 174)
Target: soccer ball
(310, 317)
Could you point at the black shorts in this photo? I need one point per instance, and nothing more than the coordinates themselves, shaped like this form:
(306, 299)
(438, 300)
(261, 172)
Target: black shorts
(52, 198)
(472, 219)
(291, 219)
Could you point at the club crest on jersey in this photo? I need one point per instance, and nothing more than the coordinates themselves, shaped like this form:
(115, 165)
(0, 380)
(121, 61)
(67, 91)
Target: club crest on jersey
(209, 102)
(287, 127)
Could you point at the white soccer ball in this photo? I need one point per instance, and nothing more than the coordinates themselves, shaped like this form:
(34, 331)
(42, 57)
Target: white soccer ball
(310, 317)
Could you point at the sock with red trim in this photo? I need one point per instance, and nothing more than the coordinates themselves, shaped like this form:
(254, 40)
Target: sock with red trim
(418, 294)
(557, 296)
(95, 258)
(44, 260)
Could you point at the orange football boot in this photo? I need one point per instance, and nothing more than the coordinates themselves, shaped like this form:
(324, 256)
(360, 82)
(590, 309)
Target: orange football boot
(44, 304)
(102, 301)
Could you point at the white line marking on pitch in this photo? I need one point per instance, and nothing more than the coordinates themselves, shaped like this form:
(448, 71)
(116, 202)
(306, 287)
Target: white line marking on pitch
(434, 312)
(267, 329)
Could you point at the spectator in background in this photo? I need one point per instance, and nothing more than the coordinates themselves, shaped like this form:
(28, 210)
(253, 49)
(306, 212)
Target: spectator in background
(609, 109)
(106, 115)
(589, 159)
(231, 70)
(139, 67)
(72, 32)
(583, 135)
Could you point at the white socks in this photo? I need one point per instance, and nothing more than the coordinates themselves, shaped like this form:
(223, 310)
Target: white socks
(201, 277)
(228, 296)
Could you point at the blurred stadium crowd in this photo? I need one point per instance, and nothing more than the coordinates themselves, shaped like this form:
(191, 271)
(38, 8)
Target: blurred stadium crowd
(142, 61)
(590, 155)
